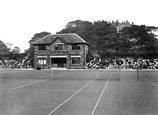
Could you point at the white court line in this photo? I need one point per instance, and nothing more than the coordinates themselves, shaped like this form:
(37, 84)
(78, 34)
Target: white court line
(33, 83)
(74, 94)
(44, 89)
(149, 81)
(101, 95)
(30, 83)
(62, 90)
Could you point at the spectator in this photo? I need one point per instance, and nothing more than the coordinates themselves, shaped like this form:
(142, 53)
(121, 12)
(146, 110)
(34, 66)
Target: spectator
(124, 63)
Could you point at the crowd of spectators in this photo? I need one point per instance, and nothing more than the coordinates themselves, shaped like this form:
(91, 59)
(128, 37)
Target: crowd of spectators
(124, 63)
(10, 64)
(96, 63)
(13, 64)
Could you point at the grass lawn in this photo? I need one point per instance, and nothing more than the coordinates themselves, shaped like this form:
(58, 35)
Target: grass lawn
(78, 92)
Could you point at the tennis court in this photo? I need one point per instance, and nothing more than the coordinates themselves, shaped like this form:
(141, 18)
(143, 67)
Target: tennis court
(78, 92)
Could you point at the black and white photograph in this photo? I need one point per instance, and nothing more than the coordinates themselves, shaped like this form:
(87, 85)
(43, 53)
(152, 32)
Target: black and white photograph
(78, 57)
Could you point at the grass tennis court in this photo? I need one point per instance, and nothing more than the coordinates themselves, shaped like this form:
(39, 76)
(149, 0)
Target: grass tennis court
(78, 92)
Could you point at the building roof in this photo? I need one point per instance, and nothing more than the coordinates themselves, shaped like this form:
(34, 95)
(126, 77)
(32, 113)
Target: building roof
(68, 38)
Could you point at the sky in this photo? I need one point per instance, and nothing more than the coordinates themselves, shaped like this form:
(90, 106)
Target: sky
(21, 19)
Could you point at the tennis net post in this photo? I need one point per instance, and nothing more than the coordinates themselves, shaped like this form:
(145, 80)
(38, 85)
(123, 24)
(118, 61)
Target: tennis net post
(52, 75)
(137, 73)
(119, 73)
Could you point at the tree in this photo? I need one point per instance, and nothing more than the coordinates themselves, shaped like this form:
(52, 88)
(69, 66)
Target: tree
(104, 38)
(26, 51)
(38, 36)
(9, 46)
(3, 48)
(142, 34)
(84, 29)
(4, 51)
(16, 50)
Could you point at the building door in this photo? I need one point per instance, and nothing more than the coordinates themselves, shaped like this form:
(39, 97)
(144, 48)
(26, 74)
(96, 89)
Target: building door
(58, 62)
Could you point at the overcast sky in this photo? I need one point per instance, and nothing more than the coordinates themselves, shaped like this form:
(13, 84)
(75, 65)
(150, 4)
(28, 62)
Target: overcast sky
(21, 19)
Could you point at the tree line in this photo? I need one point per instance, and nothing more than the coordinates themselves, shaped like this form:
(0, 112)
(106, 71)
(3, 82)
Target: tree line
(109, 39)
(7, 51)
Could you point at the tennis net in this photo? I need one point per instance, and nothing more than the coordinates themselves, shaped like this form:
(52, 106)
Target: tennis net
(61, 74)
(86, 74)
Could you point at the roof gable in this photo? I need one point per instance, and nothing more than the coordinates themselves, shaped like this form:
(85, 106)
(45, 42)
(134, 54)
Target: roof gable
(58, 39)
(69, 38)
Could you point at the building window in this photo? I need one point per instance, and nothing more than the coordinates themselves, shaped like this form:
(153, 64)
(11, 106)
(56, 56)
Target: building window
(75, 60)
(59, 46)
(42, 61)
(75, 47)
(42, 47)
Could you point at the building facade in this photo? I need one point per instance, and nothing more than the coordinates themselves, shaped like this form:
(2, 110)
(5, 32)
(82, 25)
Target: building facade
(60, 51)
